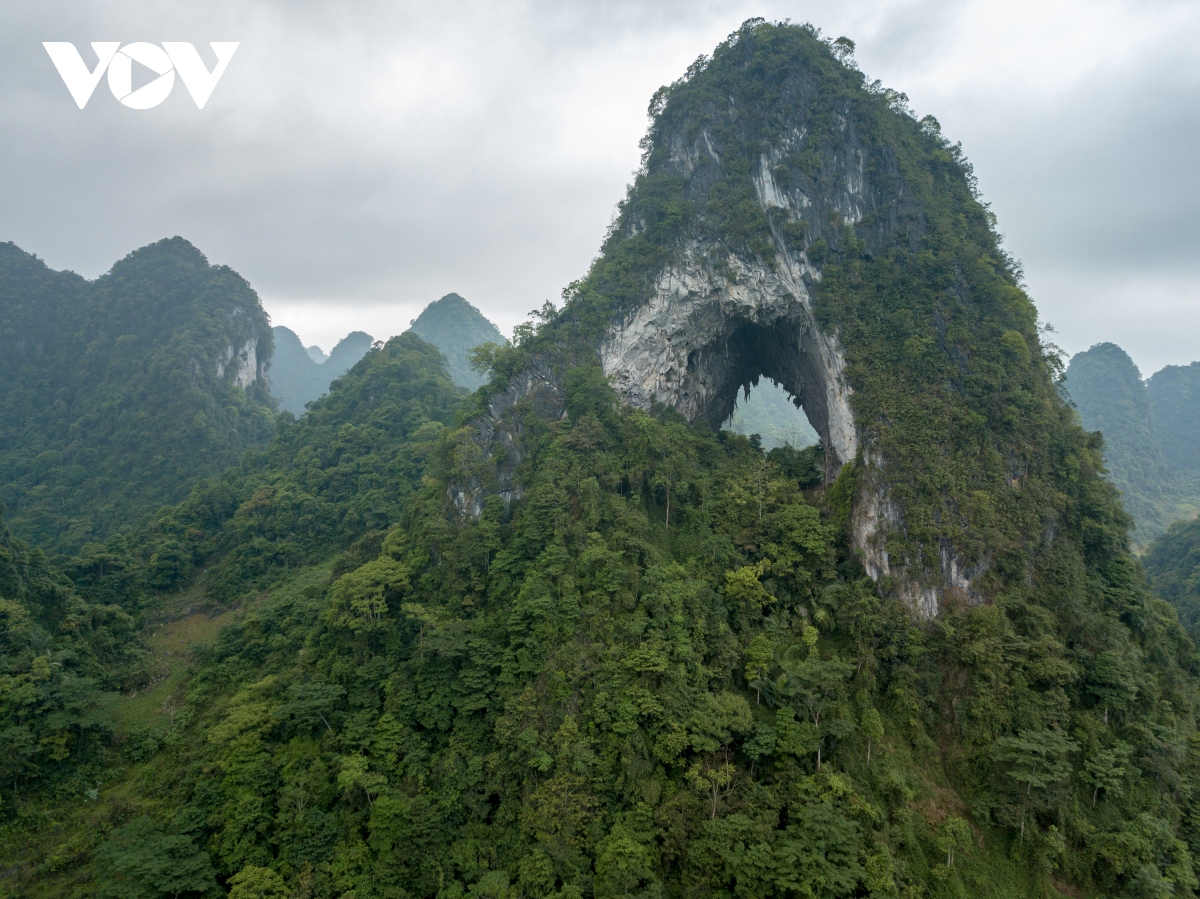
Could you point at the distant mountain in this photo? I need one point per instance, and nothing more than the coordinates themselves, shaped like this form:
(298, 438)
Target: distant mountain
(456, 327)
(120, 393)
(1107, 389)
(298, 378)
(1174, 394)
(1151, 433)
(770, 413)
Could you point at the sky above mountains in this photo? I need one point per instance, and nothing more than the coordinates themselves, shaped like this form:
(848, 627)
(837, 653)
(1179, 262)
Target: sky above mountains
(360, 159)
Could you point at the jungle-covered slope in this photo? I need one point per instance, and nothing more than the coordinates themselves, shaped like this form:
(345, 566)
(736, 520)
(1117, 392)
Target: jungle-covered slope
(1172, 563)
(297, 378)
(662, 671)
(119, 393)
(456, 328)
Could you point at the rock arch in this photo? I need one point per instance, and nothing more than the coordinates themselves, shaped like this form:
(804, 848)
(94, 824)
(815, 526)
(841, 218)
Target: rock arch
(706, 335)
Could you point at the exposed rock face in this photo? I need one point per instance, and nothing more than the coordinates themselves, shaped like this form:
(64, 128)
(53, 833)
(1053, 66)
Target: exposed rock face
(705, 336)
(497, 438)
(242, 359)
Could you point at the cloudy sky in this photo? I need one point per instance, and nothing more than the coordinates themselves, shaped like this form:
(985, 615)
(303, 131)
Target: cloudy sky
(360, 159)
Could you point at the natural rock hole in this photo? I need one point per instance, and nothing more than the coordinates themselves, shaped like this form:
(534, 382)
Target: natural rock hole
(770, 411)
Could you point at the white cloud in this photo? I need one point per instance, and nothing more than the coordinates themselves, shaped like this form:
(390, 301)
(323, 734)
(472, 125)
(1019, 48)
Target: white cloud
(361, 159)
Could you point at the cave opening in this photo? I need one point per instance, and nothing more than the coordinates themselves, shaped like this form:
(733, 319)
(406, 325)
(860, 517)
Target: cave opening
(778, 368)
(768, 410)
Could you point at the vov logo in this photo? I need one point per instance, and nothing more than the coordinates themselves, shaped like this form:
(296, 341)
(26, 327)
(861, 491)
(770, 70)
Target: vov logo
(118, 60)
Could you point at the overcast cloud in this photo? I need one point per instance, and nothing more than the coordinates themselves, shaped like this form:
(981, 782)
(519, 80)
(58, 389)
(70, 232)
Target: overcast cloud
(360, 159)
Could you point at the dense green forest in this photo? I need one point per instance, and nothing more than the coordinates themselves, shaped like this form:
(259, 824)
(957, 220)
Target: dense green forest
(1148, 429)
(297, 378)
(1172, 563)
(120, 392)
(662, 670)
(456, 328)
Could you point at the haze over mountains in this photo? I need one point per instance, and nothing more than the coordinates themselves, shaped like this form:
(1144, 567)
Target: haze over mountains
(563, 637)
(301, 374)
(298, 378)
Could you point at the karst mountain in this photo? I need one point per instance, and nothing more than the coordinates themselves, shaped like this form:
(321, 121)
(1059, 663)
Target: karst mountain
(564, 637)
(119, 393)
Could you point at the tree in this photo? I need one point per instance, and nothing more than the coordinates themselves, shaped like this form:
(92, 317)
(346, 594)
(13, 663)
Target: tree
(140, 861)
(955, 836)
(257, 883)
(871, 726)
(1036, 758)
(815, 686)
(1105, 770)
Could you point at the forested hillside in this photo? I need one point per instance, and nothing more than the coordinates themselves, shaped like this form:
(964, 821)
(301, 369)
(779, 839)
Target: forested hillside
(653, 664)
(297, 378)
(120, 392)
(1173, 565)
(456, 328)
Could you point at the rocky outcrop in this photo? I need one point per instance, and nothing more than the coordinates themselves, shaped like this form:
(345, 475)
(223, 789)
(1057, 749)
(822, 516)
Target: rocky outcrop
(495, 441)
(242, 360)
(708, 334)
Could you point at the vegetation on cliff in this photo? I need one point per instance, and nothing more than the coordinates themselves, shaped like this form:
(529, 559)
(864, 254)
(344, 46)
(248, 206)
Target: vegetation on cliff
(1172, 563)
(120, 393)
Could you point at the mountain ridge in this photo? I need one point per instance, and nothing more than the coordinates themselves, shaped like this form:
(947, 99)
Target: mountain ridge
(121, 391)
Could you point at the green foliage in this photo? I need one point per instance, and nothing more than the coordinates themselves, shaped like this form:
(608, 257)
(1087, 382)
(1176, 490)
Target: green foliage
(58, 654)
(456, 328)
(139, 861)
(659, 670)
(121, 392)
(341, 473)
(1172, 563)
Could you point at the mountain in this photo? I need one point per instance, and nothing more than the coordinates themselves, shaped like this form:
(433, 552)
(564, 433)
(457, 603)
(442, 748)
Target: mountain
(1109, 393)
(298, 375)
(456, 328)
(1149, 429)
(565, 638)
(1174, 394)
(120, 393)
